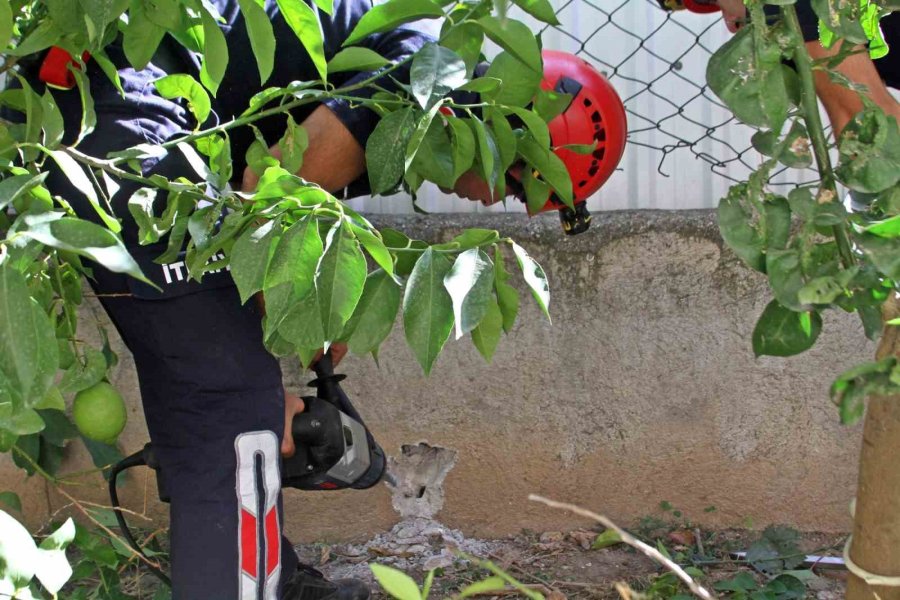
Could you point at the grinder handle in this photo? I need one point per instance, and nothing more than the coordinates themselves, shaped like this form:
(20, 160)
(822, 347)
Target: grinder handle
(326, 382)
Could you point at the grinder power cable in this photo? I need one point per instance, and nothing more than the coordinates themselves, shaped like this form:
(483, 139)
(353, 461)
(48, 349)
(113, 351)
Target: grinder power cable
(334, 451)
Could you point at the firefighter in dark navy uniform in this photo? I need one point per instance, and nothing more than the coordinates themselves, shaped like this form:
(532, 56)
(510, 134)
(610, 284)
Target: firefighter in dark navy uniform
(212, 395)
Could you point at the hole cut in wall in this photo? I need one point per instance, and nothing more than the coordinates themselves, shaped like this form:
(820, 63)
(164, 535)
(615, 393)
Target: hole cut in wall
(419, 471)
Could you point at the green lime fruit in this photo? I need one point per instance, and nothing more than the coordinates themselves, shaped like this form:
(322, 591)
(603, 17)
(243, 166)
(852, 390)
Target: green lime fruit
(99, 413)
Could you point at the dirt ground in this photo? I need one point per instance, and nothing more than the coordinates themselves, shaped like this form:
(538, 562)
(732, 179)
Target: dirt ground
(562, 564)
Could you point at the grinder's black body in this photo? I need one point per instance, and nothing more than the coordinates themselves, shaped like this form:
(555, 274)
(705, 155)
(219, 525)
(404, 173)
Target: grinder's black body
(335, 450)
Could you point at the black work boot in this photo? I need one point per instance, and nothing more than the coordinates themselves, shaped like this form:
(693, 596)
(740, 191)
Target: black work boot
(309, 584)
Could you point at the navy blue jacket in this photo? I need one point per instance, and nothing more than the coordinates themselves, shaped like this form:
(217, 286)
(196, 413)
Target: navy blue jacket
(143, 116)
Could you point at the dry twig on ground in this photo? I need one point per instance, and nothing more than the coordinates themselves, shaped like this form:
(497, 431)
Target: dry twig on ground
(632, 541)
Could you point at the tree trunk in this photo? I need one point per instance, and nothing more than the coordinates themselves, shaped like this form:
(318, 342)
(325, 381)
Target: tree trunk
(876, 531)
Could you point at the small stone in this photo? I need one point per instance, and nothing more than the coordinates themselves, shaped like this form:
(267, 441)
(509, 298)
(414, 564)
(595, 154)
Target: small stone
(552, 537)
(417, 549)
(438, 562)
(410, 541)
(407, 531)
(433, 532)
(583, 538)
(682, 537)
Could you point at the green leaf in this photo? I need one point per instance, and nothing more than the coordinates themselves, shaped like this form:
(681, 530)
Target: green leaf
(435, 71)
(340, 278)
(550, 166)
(299, 324)
(304, 21)
(870, 152)
(88, 113)
(487, 335)
(427, 308)
(325, 5)
(783, 332)
(883, 252)
(52, 400)
(469, 283)
(84, 238)
(53, 569)
(250, 258)
(395, 240)
(481, 85)
(736, 224)
(386, 149)
(539, 9)
(215, 53)
(535, 124)
(103, 455)
(52, 121)
(58, 429)
(516, 38)
(356, 58)
(293, 145)
(77, 177)
(485, 586)
(295, 257)
(375, 247)
(185, 86)
(745, 73)
(390, 15)
(534, 277)
(141, 36)
(100, 13)
(488, 156)
(14, 187)
(505, 138)
(6, 24)
(549, 105)
(418, 135)
(21, 421)
(888, 228)
(608, 538)
(375, 314)
(262, 37)
(396, 583)
(429, 581)
(28, 350)
(165, 13)
(520, 82)
(11, 500)
(466, 40)
(83, 375)
(507, 296)
(434, 159)
(462, 146)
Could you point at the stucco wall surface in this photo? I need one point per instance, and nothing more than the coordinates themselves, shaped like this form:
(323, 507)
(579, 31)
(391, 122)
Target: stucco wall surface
(643, 389)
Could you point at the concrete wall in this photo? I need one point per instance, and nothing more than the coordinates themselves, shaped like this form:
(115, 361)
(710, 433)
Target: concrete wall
(643, 389)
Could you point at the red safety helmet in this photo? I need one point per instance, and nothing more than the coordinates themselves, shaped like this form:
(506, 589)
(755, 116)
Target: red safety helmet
(695, 6)
(595, 116)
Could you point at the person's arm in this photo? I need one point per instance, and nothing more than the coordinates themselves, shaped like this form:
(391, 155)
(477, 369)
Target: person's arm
(333, 159)
(842, 104)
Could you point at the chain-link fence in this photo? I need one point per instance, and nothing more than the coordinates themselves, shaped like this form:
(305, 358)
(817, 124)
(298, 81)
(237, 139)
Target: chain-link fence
(684, 147)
